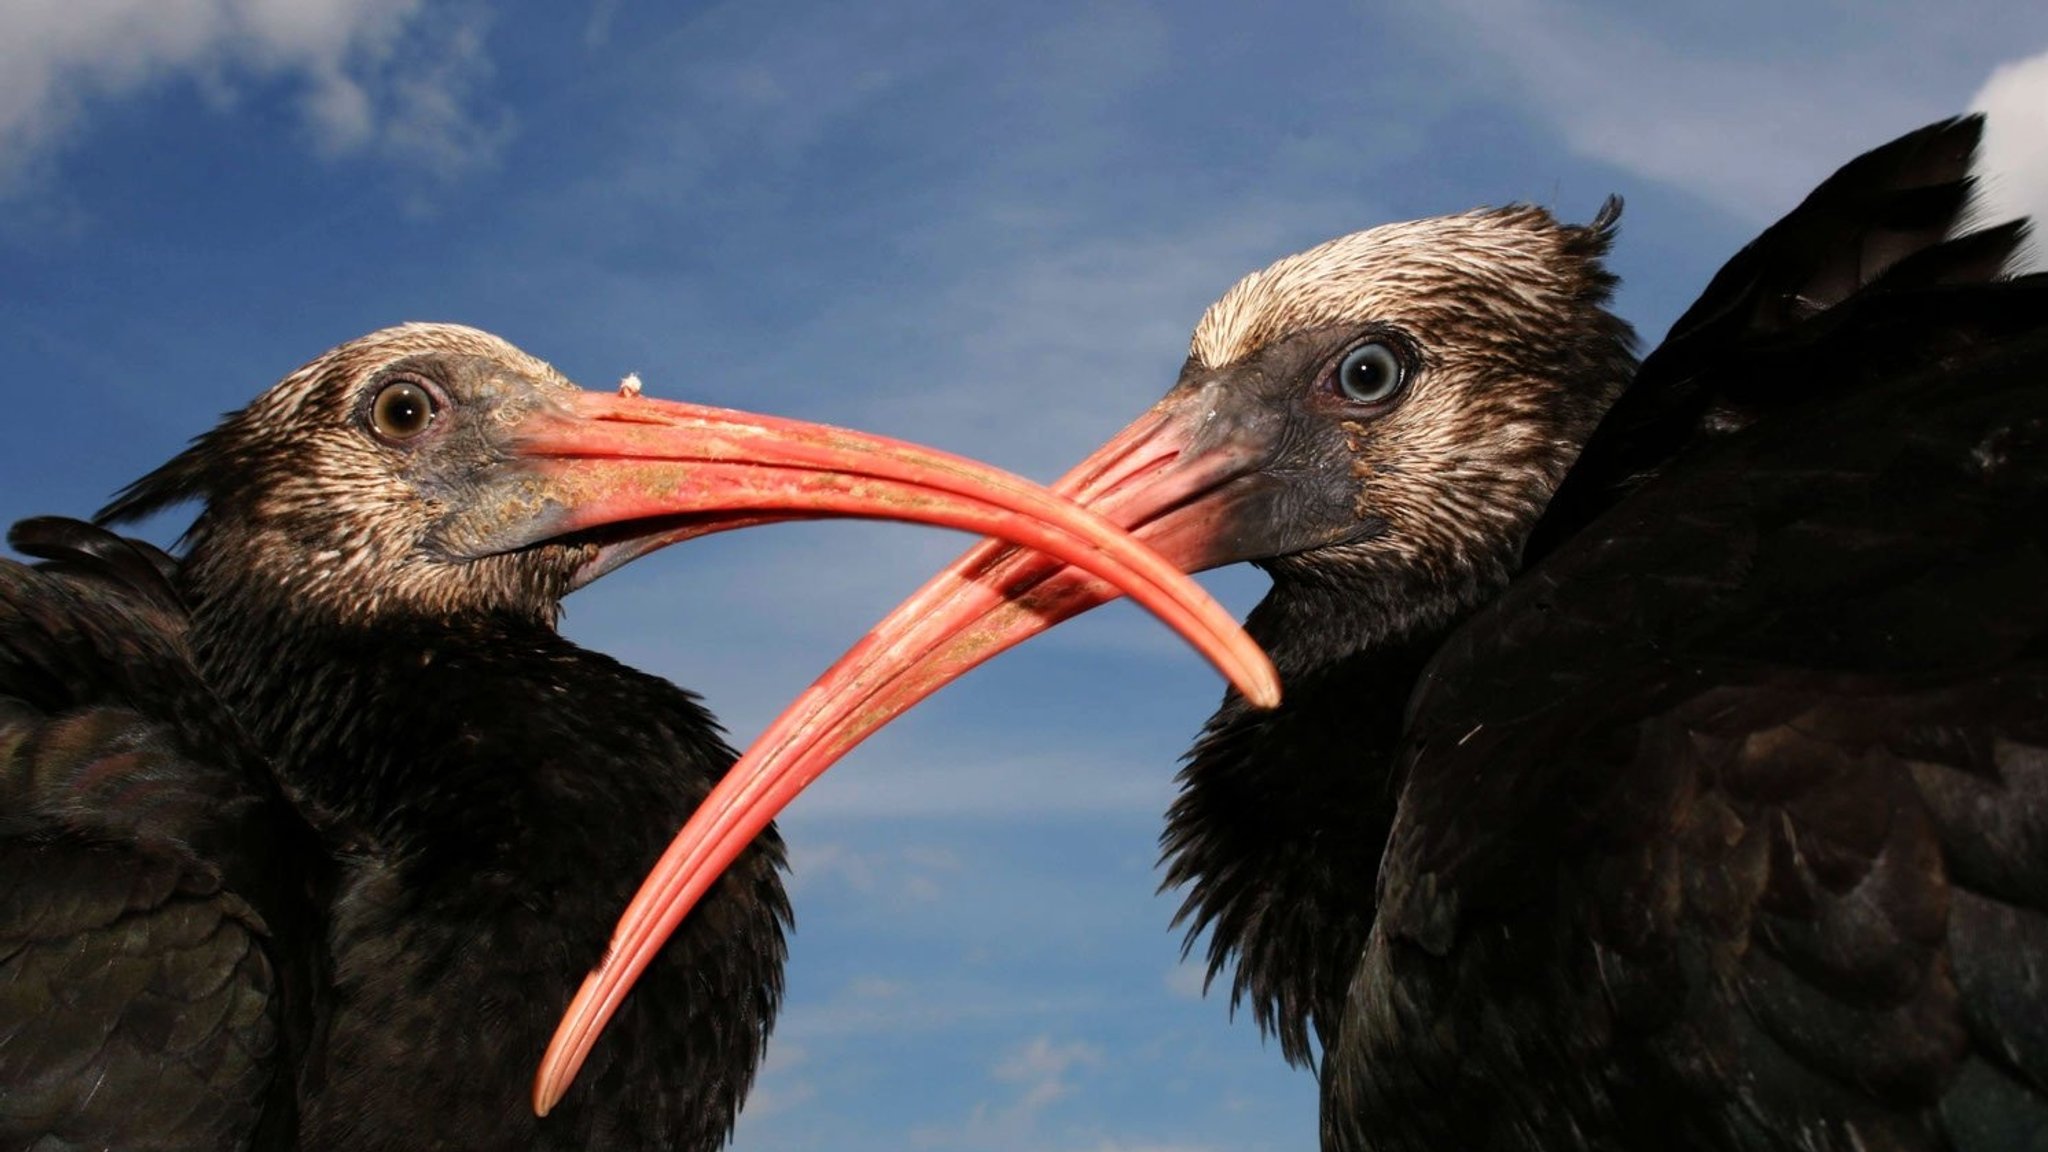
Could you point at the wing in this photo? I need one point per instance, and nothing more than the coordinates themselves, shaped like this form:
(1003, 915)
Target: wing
(1728, 825)
(1749, 345)
(154, 921)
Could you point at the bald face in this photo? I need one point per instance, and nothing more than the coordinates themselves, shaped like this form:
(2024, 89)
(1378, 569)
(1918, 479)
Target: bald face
(335, 486)
(1423, 386)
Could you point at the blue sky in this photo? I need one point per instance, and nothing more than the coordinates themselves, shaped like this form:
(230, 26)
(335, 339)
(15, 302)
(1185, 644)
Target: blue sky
(989, 227)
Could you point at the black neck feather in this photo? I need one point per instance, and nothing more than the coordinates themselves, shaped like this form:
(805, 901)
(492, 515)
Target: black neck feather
(1283, 815)
(496, 793)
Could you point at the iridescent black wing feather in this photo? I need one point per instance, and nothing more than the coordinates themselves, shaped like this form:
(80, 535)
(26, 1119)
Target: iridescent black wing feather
(154, 911)
(1758, 338)
(1726, 825)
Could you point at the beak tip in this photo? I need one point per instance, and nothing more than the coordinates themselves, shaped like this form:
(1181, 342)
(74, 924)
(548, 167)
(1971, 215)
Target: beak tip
(1265, 694)
(1255, 678)
(545, 1095)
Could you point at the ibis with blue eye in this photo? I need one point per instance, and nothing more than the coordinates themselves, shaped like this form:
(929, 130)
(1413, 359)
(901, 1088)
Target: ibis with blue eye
(1663, 761)
(1371, 373)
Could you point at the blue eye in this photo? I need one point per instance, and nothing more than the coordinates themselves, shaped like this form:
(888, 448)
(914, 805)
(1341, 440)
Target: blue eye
(1370, 373)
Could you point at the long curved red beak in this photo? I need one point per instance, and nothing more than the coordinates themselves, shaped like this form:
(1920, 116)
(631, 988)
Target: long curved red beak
(992, 598)
(628, 474)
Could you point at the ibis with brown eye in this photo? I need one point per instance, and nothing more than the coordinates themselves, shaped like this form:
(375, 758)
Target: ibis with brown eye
(1668, 771)
(309, 833)
(402, 410)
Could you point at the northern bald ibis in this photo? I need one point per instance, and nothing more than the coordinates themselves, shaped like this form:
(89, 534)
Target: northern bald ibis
(1716, 816)
(307, 835)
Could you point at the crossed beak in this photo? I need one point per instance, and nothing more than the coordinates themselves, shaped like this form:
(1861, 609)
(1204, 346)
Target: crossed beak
(1185, 484)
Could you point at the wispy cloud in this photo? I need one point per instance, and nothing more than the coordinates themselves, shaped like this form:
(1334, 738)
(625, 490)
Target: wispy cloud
(907, 873)
(1084, 328)
(983, 226)
(382, 76)
(1039, 1070)
(1036, 1079)
(1689, 102)
(1036, 1074)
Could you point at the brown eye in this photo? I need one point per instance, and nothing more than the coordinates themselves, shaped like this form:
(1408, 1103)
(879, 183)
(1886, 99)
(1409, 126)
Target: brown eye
(402, 410)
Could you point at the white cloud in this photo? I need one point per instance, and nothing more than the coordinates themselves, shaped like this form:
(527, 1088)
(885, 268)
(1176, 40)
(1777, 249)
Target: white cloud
(428, 115)
(378, 75)
(2012, 163)
(893, 876)
(1040, 1068)
(874, 988)
(1039, 1071)
(815, 863)
(1745, 129)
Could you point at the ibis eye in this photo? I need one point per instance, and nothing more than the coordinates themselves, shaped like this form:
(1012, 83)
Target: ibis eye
(1370, 373)
(402, 410)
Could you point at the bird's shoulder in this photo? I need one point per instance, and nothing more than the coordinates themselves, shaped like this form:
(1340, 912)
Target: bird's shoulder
(1892, 535)
(1760, 754)
(146, 870)
(1877, 250)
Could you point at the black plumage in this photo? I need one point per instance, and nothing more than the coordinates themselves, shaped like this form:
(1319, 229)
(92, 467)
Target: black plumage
(308, 835)
(1690, 790)
(155, 887)
(1718, 827)
(195, 965)
(336, 829)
